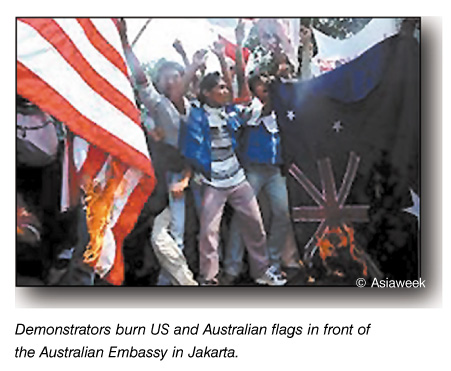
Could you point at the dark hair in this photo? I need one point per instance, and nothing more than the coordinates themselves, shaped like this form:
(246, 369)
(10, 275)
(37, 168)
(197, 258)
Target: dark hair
(253, 80)
(169, 65)
(209, 81)
(283, 58)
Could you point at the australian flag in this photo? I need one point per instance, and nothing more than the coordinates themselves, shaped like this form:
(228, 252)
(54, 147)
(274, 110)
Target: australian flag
(351, 146)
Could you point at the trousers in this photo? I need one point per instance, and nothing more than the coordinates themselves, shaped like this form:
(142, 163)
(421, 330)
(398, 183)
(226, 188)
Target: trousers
(244, 202)
(168, 253)
(268, 181)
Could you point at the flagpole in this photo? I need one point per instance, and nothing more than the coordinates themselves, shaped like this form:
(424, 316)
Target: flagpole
(141, 31)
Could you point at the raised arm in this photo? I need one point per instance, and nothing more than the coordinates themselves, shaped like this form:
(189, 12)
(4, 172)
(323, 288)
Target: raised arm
(243, 87)
(190, 72)
(193, 84)
(219, 50)
(305, 35)
(177, 45)
(147, 93)
(137, 71)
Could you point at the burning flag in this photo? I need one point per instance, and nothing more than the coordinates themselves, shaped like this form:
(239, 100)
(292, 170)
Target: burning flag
(74, 69)
(357, 127)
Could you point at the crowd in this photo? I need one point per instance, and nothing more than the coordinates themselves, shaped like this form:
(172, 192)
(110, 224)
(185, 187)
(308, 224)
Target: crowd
(219, 214)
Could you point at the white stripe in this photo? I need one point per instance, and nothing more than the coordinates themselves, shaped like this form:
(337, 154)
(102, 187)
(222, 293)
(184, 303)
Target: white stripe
(101, 175)
(45, 61)
(96, 59)
(229, 182)
(80, 148)
(222, 166)
(108, 30)
(107, 255)
(126, 187)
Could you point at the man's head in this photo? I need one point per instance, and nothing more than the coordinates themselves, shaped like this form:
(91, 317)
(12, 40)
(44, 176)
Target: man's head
(213, 90)
(259, 86)
(283, 68)
(169, 78)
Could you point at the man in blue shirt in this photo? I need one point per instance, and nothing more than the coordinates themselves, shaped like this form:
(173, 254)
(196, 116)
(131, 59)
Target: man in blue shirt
(260, 152)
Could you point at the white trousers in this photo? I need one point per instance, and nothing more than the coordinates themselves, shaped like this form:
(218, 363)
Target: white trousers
(169, 255)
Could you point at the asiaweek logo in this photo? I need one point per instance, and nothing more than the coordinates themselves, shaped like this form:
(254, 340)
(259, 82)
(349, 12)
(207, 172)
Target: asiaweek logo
(394, 284)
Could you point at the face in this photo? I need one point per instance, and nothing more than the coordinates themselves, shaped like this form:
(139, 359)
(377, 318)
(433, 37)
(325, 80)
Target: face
(284, 70)
(269, 41)
(261, 89)
(169, 81)
(219, 96)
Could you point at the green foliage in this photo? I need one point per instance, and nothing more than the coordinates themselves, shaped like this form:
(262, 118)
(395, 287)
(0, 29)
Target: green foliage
(340, 28)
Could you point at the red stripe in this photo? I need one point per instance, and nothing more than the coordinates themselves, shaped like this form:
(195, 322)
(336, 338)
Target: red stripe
(116, 22)
(94, 162)
(39, 92)
(55, 35)
(124, 226)
(102, 45)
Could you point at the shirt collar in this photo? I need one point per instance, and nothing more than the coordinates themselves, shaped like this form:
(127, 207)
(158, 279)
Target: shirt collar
(213, 111)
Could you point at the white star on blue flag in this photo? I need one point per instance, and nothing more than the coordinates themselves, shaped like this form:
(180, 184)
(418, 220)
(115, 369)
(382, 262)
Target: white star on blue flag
(290, 115)
(415, 208)
(337, 126)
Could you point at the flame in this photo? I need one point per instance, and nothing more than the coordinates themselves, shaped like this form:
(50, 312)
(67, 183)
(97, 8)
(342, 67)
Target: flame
(99, 206)
(336, 238)
(24, 217)
(354, 249)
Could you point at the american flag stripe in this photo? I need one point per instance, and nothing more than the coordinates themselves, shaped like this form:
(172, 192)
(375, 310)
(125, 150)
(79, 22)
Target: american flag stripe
(124, 225)
(31, 86)
(74, 69)
(94, 161)
(91, 102)
(106, 27)
(102, 45)
(131, 189)
(70, 40)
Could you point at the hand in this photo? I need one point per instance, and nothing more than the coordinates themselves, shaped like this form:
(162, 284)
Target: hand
(178, 188)
(218, 49)
(122, 26)
(157, 134)
(177, 45)
(199, 58)
(239, 32)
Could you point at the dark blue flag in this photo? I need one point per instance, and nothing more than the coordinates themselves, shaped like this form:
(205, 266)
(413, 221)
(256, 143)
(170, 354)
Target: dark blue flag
(350, 142)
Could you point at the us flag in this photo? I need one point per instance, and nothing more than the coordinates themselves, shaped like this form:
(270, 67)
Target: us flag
(75, 70)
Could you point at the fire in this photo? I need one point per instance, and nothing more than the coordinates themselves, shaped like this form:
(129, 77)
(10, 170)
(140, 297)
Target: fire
(99, 206)
(336, 238)
(22, 217)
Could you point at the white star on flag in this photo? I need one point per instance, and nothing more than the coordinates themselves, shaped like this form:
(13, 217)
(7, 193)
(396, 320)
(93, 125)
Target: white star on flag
(337, 126)
(415, 208)
(290, 115)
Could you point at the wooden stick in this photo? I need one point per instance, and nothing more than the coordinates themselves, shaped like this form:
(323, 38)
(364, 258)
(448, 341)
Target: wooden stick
(143, 28)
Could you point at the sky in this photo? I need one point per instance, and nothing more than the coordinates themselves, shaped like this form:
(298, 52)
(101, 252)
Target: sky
(194, 33)
(200, 33)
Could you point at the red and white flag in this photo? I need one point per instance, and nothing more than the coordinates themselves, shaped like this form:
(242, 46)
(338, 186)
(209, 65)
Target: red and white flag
(75, 70)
